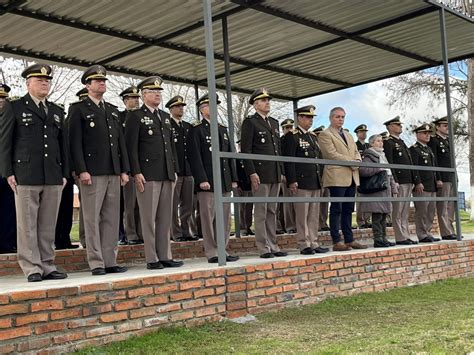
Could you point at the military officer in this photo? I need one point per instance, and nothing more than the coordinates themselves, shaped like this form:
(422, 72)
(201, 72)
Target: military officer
(288, 208)
(426, 183)
(200, 158)
(131, 213)
(323, 206)
(304, 180)
(260, 135)
(184, 188)
(397, 152)
(100, 160)
(33, 151)
(153, 163)
(439, 144)
(362, 219)
(7, 198)
(244, 189)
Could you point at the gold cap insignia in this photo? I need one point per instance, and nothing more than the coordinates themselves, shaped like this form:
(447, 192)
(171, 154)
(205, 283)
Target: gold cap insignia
(44, 70)
(134, 90)
(100, 72)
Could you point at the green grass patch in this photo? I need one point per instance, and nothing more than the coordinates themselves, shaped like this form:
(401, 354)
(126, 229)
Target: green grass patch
(432, 319)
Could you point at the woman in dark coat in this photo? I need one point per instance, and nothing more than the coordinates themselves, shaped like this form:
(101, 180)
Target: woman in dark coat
(379, 209)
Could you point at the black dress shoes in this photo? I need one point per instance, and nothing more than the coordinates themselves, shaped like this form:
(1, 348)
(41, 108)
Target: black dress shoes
(98, 271)
(36, 277)
(321, 250)
(135, 242)
(381, 244)
(8, 251)
(267, 255)
(250, 232)
(449, 237)
(115, 269)
(231, 258)
(67, 246)
(213, 260)
(172, 263)
(280, 231)
(429, 239)
(154, 266)
(280, 253)
(307, 251)
(123, 242)
(291, 231)
(55, 275)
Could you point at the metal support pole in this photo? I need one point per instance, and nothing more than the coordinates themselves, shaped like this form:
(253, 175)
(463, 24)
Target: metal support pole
(216, 162)
(196, 97)
(230, 113)
(444, 46)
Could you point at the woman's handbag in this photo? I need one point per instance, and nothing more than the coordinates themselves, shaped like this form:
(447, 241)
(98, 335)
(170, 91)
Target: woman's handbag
(375, 183)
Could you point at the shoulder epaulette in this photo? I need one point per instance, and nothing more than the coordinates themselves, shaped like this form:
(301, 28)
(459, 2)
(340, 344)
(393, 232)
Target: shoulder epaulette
(221, 125)
(196, 123)
(61, 106)
(295, 131)
(108, 103)
(13, 98)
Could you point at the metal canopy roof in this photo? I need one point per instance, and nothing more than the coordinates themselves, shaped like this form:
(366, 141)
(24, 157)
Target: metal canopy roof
(296, 49)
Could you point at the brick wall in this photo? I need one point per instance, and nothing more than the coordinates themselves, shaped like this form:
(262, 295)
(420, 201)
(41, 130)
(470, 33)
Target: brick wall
(64, 319)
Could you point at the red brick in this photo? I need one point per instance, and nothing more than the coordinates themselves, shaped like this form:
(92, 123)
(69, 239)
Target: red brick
(322, 267)
(129, 326)
(328, 274)
(31, 318)
(113, 317)
(214, 300)
(256, 293)
(236, 305)
(27, 295)
(156, 280)
(250, 268)
(143, 291)
(273, 290)
(151, 322)
(5, 323)
(178, 277)
(219, 272)
(265, 283)
(202, 312)
(296, 263)
(190, 284)
(150, 301)
(193, 304)
(338, 265)
(272, 274)
(203, 292)
(98, 332)
(33, 343)
(7, 348)
(181, 316)
(236, 314)
(281, 265)
(112, 295)
(122, 306)
(80, 300)
(266, 300)
(68, 337)
(98, 309)
(236, 278)
(46, 305)
(125, 284)
(263, 267)
(292, 287)
(13, 309)
(237, 287)
(202, 274)
(181, 296)
(143, 312)
(218, 281)
(96, 287)
(166, 288)
(171, 307)
(82, 322)
(4, 299)
(65, 291)
(282, 280)
(50, 327)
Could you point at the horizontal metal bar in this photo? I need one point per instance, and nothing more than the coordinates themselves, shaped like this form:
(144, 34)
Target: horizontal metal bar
(282, 158)
(333, 199)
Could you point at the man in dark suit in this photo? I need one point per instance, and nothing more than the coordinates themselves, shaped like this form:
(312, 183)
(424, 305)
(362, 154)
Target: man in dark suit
(184, 188)
(286, 210)
(260, 134)
(153, 164)
(439, 144)
(7, 198)
(244, 189)
(397, 152)
(33, 152)
(362, 219)
(100, 160)
(130, 229)
(200, 158)
(304, 180)
(426, 183)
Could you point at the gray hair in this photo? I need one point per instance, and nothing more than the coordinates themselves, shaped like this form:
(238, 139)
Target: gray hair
(333, 110)
(373, 138)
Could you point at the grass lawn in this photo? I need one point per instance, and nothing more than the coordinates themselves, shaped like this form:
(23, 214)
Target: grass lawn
(435, 319)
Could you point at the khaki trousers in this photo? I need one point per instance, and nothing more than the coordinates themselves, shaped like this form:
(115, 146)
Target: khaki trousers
(443, 210)
(208, 222)
(156, 210)
(324, 209)
(424, 214)
(101, 209)
(265, 219)
(131, 213)
(36, 215)
(307, 220)
(400, 214)
(288, 210)
(182, 207)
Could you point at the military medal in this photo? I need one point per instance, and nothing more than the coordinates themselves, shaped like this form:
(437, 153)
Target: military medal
(442, 150)
(92, 124)
(400, 153)
(175, 140)
(306, 153)
(150, 132)
(262, 140)
(426, 161)
(210, 149)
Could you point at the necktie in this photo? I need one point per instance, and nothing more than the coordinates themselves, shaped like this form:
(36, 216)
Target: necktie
(341, 132)
(42, 109)
(101, 106)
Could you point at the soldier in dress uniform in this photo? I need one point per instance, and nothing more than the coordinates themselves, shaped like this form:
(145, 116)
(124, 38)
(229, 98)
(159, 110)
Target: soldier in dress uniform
(184, 188)
(260, 135)
(304, 180)
(129, 209)
(362, 219)
(323, 206)
(286, 209)
(33, 152)
(200, 158)
(7, 198)
(153, 164)
(100, 160)
(397, 152)
(439, 144)
(426, 183)
(244, 189)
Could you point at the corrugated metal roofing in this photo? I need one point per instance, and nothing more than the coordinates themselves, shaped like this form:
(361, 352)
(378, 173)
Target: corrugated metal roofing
(295, 49)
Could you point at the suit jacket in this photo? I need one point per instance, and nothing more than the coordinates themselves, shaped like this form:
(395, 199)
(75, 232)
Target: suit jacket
(200, 156)
(33, 146)
(180, 135)
(441, 150)
(151, 149)
(422, 155)
(261, 137)
(96, 139)
(334, 147)
(361, 147)
(397, 152)
(302, 145)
